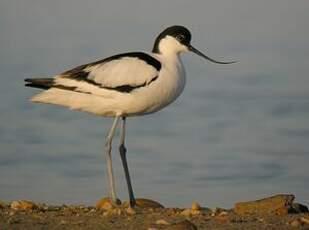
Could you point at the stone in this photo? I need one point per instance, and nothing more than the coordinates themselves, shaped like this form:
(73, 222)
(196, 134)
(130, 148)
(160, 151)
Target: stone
(131, 211)
(145, 203)
(223, 213)
(63, 222)
(190, 212)
(112, 212)
(304, 220)
(222, 217)
(2, 204)
(162, 222)
(299, 208)
(195, 206)
(279, 204)
(183, 225)
(23, 205)
(106, 203)
(216, 211)
(295, 223)
(186, 212)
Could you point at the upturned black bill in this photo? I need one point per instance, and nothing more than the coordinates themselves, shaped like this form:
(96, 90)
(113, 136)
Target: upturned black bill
(194, 50)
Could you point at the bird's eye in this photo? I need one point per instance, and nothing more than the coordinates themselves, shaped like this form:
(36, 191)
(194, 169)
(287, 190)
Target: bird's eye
(180, 37)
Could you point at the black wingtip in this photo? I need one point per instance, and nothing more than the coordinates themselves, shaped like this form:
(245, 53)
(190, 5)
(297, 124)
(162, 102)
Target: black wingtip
(41, 83)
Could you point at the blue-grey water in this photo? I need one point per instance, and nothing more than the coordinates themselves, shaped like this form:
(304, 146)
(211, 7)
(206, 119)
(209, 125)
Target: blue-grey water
(238, 132)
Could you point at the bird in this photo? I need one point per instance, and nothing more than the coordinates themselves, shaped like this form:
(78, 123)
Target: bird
(122, 86)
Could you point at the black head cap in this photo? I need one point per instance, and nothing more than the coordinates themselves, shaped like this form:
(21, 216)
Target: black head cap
(181, 33)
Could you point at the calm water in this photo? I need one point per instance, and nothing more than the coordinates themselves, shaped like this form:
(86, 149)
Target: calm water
(214, 146)
(238, 132)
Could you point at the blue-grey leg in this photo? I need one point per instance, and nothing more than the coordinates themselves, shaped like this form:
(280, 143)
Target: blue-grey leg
(108, 149)
(123, 152)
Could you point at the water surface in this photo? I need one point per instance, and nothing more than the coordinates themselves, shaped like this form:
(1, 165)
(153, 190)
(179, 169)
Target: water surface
(238, 132)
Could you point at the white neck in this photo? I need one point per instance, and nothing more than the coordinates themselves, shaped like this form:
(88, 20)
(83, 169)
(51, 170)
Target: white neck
(169, 46)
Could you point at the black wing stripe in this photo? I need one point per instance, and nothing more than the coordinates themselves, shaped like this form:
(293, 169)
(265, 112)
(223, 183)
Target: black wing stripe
(129, 88)
(80, 74)
(47, 83)
(121, 89)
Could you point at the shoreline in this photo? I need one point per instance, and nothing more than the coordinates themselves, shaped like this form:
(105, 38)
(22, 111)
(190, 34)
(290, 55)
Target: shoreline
(276, 212)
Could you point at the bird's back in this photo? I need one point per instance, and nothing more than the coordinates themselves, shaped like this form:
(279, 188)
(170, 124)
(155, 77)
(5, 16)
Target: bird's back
(128, 84)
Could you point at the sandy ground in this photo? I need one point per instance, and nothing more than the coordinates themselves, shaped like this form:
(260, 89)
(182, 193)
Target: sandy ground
(45, 216)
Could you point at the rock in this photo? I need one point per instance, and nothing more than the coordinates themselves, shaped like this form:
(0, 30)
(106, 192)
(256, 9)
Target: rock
(52, 208)
(295, 223)
(190, 212)
(282, 211)
(195, 209)
(63, 222)
(299, 222)
(195, 206)
(279, 204)
(23, 205)
(216, 211)
(304, 220)
(131, 211)
(106, 203)
(222, 217)
(183, 225)
(299, 208)
(112, 212)
(262, 220)
(145, 203)
(223, 213)
(162, 222)
(186, 212)
(2, 204)
(172, 211)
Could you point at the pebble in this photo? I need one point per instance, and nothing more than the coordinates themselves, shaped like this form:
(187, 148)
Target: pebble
(295, 223)
(23, 205)
(2, 204)
(186, 212)
(190, 212)
(63, 222)
(222, 218)
(262, 220)
(183, 225)
(106, 203)
(52, 208)
(113, 212)
(278, 204)
(216, 211)
(131, 211)
(12, 213)
(145, 203)
(304, 220)
(172, 211)
(195, 206)
(299, 208)
(223, 213)
(162, 222)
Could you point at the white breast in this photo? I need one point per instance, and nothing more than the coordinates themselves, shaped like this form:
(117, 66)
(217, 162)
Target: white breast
(163, 91)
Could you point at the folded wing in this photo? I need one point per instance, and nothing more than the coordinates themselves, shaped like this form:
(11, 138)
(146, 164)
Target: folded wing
(123, 73)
